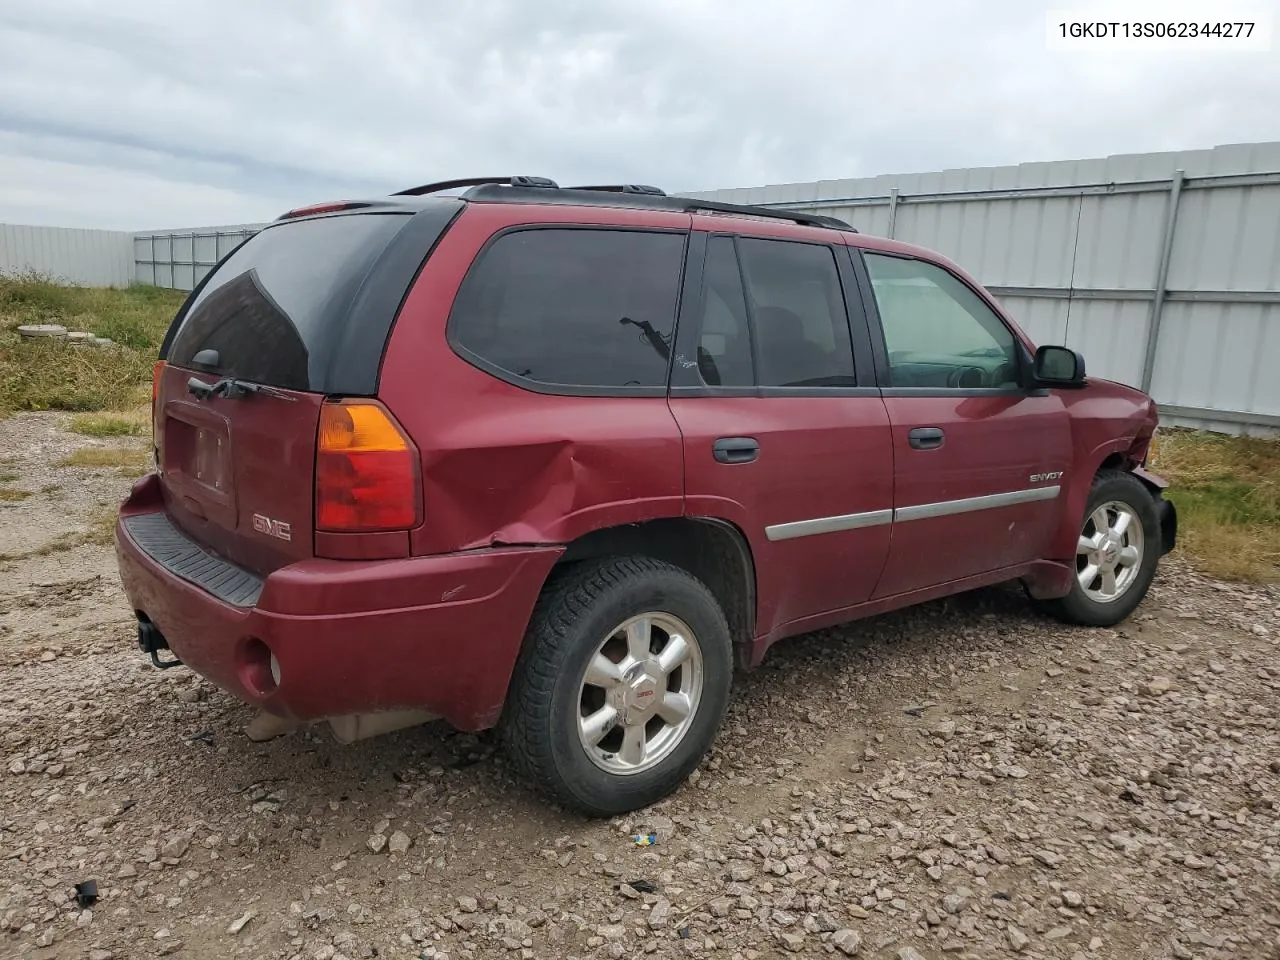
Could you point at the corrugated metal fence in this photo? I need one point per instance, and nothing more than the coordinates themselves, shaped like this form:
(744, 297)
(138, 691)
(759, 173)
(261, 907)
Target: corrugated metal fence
(1163, 269)
(99, 258)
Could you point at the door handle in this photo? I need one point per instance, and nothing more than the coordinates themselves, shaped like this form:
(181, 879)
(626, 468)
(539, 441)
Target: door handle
(926, 438)
(736, 449)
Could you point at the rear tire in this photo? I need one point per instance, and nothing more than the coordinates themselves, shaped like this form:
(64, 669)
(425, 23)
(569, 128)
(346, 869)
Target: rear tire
(621, 684)
(1118, 548)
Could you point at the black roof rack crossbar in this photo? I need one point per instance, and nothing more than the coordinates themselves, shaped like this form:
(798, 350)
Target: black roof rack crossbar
(640, 188)
(476, 182)
(795, 216)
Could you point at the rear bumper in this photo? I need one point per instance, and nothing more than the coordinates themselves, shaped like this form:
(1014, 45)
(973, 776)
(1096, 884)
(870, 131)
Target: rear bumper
(429, 633)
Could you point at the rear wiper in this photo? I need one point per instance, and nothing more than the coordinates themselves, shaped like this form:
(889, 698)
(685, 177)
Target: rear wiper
(232, 389)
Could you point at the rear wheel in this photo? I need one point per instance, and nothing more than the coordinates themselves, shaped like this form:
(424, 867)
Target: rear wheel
(1116, 553)
(621, 685)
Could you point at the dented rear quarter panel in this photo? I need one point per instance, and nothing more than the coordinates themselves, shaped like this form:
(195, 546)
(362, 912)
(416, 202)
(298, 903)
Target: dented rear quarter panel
(509, 465)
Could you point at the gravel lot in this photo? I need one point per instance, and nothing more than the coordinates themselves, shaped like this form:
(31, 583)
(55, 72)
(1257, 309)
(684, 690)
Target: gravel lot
(966, 779)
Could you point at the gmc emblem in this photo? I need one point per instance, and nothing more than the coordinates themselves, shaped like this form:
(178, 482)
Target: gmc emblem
(272, 528)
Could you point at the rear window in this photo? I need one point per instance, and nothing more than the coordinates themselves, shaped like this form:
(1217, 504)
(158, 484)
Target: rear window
(576, 309)
(277, 310)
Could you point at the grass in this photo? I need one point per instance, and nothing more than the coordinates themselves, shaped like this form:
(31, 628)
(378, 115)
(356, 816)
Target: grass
(53, 375)
(129, 460)
(123, 423)
(9, 494)
(1227, 491)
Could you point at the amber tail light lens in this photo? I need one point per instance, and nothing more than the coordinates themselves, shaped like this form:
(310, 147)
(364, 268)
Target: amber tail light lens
(366, 471)
(157, 372)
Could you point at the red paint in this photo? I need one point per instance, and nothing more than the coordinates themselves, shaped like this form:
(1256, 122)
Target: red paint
(431, 614)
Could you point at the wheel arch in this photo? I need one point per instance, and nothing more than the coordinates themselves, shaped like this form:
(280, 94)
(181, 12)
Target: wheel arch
(711, 549)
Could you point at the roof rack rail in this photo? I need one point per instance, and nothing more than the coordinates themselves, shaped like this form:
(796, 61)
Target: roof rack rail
(640, 188)
(633, 196)
(426, 188)
(773, 213)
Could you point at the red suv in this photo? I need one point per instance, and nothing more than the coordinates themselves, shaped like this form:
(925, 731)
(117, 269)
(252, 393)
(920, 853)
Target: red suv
(554, 460)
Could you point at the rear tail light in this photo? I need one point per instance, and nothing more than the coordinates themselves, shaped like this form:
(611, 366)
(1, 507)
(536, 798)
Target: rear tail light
(366, 471)
(157, 372)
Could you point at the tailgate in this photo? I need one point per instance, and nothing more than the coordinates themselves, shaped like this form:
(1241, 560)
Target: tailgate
(239, 474)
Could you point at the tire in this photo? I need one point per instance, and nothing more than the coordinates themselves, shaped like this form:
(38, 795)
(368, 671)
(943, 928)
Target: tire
(1112, 490)
(577, 621)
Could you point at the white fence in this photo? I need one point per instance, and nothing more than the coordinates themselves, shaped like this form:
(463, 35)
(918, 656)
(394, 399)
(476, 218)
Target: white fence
(1163, 269)
(99, 258)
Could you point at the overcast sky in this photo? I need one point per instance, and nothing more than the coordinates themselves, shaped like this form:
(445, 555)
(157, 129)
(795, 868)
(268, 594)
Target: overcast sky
(153, 113)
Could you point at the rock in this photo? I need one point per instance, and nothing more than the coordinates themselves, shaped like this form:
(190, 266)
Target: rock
(662, 827)
(909, 953)
(1157, 687)
(1057, 933)
(1048, 858)
(176, 846)
(848, 942)
(793, 942)
(101, 955)
(400, 842)
(741, 873)
(612, 932)
(468, 904)
(659, 914)
(1072, 899)
(376, 842)
(17, 767)
(1017, 939)
(241, 922)
(944, 730)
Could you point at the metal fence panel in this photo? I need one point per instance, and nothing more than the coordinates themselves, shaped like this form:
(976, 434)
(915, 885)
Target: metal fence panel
(102, 258)
(1163, 269)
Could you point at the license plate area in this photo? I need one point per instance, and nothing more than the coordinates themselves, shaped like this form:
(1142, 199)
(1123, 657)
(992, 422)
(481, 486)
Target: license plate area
(198, 461)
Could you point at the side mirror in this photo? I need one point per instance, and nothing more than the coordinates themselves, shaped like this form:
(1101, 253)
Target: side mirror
(1058, 367)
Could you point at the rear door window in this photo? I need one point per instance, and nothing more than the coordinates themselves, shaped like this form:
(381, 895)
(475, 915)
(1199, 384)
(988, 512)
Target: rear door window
(798, 310)
(276, 311)
(572, 309)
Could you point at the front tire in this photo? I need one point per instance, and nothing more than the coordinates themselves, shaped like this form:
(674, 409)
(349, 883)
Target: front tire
(621, 684)
(1116, 553)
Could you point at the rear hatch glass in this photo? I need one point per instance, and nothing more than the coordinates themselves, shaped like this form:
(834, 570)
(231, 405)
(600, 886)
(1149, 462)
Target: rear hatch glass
(238, 466)
(277, 310)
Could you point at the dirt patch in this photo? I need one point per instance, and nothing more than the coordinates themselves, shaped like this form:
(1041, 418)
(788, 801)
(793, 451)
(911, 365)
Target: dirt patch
(964, 779)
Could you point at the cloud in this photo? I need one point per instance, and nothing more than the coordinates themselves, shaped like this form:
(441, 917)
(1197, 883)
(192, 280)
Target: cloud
(145, 114)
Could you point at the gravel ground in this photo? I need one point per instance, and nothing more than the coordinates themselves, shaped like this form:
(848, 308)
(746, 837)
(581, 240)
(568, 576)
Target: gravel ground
(965, 779)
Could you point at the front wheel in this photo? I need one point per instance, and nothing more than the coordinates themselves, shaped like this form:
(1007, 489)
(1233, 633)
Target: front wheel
(1116, 553)
(621, 685)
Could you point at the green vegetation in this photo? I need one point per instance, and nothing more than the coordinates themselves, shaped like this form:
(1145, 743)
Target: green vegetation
(39, 374)
(130, 461)
(123, 423)
(1227, 491)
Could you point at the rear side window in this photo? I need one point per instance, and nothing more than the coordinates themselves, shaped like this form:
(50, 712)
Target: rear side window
(797, 306)
(573, 308)
(276, 311)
